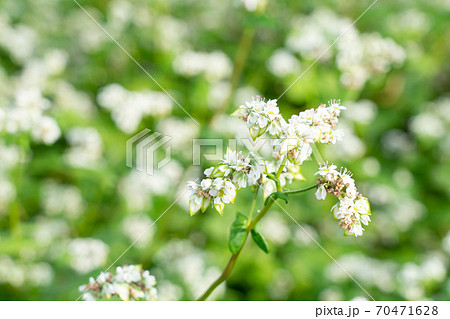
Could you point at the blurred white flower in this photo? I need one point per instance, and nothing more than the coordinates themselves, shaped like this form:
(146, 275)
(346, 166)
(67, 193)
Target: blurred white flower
(215, 66)
(46, 130)
(358, 55)
(170, 33)
(182, 133)
(18, 273)
(368, 271)
(371, 166)
(55, 61)
(168, 291)
(350, 148)
(19, 40)
(362, 111)
(40, 274)
(218, 93)
(414, 278)
(428, 125)
(275, 229)
(281, 285)
(283, 63)
(182, 260)
(397, 142)
(47, 231)
(409, 21)
(134, 226)
(128, 108)
(86, 147)
(61, 199)
(68, 98)
(305, 236)
(87, 254)
(138, 188)
(253, 5)
(26, 113)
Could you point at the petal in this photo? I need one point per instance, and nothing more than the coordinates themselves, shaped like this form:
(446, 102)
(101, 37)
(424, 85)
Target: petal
(205, 203)
(194, 206)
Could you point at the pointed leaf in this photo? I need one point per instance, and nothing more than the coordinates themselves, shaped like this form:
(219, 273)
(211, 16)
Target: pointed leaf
(277, 195)
(259, 239)
(238, 233)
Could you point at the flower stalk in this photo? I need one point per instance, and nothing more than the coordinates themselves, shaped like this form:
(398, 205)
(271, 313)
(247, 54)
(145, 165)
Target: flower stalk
(232, 262)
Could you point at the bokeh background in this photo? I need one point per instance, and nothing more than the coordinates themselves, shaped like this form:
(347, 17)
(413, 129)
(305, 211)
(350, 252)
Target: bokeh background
(70, 98)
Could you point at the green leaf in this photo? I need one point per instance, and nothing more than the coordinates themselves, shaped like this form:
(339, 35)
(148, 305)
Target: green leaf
(277, 195)
(238, 233)
(259, 239)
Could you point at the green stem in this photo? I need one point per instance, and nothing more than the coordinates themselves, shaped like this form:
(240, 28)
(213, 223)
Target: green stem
(226, 273)
(280, 169)
(229, 268)
(298, 191)
(232, 262)
(250, 215)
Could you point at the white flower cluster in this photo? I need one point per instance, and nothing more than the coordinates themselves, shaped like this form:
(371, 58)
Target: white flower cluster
(261, 116)
(310, 126)
(294, 136)
(234, 172)
(129, 283)
(292, 139)
(128, 108)
(290, 173)
(352, 210)
(26, 115)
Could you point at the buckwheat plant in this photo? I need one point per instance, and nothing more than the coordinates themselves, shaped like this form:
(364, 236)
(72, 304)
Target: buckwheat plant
(292, 142)
(129, 283)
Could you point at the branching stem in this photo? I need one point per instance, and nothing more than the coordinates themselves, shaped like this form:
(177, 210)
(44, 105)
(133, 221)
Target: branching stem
(298, 191)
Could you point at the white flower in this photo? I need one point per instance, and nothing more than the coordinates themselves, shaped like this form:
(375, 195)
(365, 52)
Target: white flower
(129, 283)
(321, 193)
(326, 170)
(351, 192)
(352, 210)
(259, 116)
(235, 172)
